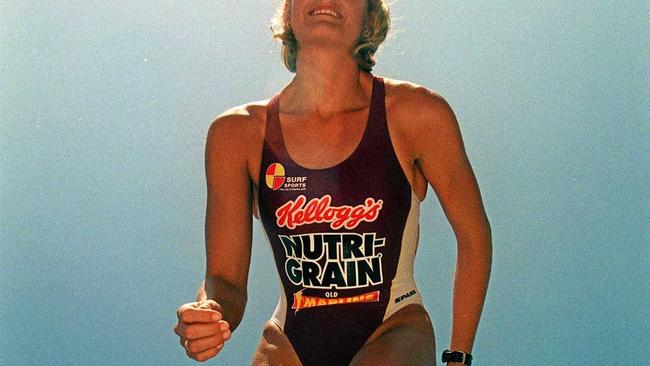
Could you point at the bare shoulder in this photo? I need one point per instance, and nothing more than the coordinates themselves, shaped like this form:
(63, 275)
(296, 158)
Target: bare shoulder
(234, 141)
(420, 115)
(241, 121)
(416, 102)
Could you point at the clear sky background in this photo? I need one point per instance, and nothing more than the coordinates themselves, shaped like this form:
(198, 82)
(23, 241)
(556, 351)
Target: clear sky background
(104, 109)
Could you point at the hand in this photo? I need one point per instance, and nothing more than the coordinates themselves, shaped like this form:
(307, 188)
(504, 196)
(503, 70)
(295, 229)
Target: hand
(202, 330)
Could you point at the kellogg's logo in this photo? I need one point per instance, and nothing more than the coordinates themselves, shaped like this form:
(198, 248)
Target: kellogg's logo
(317, 210)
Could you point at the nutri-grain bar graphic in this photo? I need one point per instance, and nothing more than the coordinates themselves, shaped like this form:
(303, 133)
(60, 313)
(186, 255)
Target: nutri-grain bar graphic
(333, 260)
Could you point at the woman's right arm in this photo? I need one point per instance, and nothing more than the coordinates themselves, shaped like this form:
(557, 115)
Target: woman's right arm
(228, 219)
(205, 325)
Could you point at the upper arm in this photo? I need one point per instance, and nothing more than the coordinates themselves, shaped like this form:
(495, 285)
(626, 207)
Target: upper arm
(228, 221)
(440, 155)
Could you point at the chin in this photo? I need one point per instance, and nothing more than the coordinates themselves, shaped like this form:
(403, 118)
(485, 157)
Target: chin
(326, 39)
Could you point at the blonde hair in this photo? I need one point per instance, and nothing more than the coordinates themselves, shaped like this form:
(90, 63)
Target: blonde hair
(374, 33)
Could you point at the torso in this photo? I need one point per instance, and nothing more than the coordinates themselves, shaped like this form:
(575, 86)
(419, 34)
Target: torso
(358, 212)
(332, 147)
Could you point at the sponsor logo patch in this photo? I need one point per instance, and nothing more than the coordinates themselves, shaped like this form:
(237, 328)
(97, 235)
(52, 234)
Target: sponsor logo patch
(277, 179)
(300, 212)
(405, 296)
(327, 262)
(305, 302)
(333, 260)
(275, 176)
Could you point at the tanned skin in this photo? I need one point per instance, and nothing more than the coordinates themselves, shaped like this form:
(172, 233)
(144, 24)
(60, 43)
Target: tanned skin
(428, 143)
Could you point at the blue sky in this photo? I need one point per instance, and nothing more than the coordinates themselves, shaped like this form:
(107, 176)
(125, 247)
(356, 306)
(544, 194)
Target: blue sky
(104, 109)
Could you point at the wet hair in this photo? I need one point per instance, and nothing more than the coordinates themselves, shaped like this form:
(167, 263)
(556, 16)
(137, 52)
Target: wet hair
(374, 33)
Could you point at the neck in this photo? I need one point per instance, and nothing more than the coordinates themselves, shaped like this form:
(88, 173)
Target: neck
(330, 75)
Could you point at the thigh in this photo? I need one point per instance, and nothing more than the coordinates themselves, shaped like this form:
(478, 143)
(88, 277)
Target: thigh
(275, 348)
(406, 338)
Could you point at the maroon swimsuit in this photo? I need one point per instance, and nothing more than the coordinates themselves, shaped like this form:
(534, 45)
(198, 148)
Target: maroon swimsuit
(344, 239)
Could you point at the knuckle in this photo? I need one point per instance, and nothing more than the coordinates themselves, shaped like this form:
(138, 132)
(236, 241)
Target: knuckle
(185, 316)
(218, 315)
(217, 330)
(271, 330)
(192, 347)
(213, 352)
(223, 325)
(205, 305)
(190, 333)
(226, 335)
(214, 305)
(180, 331)
(189, 354)
(181, 309)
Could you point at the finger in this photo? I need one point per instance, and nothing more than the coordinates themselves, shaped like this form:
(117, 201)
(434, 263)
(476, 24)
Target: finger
(203, 344)
(205, 355)
(210, 304)
(224, 326)
(195, 315)
(198, 330)
(189, 305)
(226, 335)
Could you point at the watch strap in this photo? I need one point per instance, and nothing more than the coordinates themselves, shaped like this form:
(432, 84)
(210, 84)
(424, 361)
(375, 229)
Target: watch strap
(456, 356)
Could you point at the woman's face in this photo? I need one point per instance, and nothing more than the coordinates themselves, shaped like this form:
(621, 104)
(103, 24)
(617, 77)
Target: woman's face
(328, 22)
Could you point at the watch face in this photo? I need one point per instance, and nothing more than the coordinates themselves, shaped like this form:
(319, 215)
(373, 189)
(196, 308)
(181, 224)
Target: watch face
(448, 356)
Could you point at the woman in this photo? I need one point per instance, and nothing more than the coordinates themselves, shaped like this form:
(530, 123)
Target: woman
(335, 167)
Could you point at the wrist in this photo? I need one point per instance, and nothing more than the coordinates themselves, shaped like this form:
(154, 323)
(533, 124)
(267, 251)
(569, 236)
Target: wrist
(455, 357)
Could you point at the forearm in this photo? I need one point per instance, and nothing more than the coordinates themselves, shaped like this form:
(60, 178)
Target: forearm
(232, 299)
(471, 279)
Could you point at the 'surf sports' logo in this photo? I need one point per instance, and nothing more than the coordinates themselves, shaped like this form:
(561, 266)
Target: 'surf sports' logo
(275, 176)
(278, 180)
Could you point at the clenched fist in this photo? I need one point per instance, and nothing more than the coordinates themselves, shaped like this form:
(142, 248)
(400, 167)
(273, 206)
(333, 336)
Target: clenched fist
(202, 329)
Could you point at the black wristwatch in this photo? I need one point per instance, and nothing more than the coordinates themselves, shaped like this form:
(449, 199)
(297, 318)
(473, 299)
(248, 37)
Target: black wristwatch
(456, 356)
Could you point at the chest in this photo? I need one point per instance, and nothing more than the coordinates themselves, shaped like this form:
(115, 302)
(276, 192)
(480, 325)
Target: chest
(321, 144)
(316, 143)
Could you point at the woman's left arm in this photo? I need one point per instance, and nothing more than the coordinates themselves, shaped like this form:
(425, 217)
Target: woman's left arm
(440, 155)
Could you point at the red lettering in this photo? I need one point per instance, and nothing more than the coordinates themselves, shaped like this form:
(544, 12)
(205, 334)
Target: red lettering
(300, 212)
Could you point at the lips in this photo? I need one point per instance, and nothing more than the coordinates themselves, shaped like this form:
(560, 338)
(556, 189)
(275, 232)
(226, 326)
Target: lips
(325, 10)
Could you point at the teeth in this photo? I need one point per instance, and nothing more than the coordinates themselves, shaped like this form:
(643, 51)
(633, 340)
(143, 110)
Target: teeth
(325, 11)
